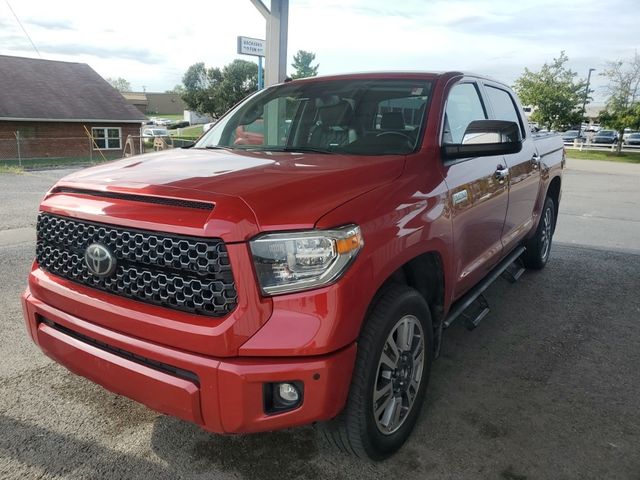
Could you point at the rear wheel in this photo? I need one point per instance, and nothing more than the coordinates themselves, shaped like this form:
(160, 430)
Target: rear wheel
(389, 379)
(538, 247)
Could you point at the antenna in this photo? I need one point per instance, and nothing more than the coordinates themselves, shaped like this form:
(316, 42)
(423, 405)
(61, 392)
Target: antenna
(23, 29)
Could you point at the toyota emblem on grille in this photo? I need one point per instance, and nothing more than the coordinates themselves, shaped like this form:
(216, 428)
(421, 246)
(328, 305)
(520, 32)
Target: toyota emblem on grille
(100, 261)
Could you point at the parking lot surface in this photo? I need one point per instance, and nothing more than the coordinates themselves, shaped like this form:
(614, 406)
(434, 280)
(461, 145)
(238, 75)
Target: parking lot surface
(547, 386)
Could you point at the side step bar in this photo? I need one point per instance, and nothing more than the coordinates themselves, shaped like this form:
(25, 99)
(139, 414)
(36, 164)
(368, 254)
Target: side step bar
(473, 295)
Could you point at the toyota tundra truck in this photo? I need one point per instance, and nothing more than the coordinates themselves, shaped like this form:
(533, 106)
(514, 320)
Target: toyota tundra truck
(305, 276)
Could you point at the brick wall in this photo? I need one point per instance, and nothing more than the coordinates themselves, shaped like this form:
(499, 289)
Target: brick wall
(56, 139)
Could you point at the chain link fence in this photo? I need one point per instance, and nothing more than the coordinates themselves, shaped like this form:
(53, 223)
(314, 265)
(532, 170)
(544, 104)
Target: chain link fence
(33, 152)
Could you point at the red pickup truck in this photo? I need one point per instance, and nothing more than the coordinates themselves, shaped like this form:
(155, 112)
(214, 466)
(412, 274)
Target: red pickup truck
(307, 276)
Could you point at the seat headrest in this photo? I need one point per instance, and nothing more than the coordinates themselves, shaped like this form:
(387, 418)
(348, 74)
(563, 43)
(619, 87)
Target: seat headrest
(338, 115)
(392, 121)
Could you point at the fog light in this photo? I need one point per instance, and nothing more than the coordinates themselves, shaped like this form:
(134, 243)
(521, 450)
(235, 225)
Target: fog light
(282, 396)
(288, 393)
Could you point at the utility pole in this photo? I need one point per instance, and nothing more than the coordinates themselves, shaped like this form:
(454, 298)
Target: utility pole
(584, 102)
(277, 29)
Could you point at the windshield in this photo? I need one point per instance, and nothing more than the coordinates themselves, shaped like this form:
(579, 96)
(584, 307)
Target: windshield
(571, 133)
(362, 117)
(606, 133)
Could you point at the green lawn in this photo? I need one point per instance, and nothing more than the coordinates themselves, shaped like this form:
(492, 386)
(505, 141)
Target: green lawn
(12, 166)
(10, 169)
(169, 116)
(188, 132)
(624, 157)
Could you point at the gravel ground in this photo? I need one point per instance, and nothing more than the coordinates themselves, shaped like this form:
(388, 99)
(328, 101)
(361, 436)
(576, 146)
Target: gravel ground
(547, 387)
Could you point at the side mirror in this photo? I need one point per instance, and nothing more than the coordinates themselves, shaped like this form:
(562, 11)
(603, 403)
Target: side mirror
(485, 138)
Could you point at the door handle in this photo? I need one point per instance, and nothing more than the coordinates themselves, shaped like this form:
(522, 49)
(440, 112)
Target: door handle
(502, 173)
(535, 160)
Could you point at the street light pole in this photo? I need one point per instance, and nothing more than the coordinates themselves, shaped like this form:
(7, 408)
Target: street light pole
(584, 102)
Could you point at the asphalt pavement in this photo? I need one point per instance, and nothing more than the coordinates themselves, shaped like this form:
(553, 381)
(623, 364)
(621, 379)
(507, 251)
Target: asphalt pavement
(547, 387)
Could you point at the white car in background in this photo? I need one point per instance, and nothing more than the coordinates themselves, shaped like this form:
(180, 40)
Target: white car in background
(155, 132)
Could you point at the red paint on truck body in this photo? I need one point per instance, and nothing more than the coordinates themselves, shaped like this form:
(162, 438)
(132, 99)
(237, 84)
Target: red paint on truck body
(402, 204)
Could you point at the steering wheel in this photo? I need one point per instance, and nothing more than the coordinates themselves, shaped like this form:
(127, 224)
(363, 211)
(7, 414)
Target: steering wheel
(399, 134)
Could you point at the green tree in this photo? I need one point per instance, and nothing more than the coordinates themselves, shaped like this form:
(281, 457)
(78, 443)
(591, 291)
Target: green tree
(554, 93)
(179, 88)
(214, 91)
(623, 106)
(302, 61)
(120, 84)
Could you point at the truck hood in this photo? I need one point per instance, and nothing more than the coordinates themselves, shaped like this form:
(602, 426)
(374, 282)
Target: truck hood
(280, 190)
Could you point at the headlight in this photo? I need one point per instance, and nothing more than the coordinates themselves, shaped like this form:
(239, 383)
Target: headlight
(289, 262)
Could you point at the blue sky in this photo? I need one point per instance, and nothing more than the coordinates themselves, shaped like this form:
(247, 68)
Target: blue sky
(153, 46)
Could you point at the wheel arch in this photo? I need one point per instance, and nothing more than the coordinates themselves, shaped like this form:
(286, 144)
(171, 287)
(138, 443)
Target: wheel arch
(426, 274)
(553, 192)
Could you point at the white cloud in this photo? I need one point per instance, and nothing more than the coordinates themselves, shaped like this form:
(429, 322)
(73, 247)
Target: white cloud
(152, 44)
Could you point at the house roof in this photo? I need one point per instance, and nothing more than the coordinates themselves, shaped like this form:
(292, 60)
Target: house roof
(47, 90)
(135, 97)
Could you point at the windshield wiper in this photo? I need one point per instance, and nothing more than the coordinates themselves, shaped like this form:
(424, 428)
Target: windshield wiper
(214, 147)
(302, 150)
(266, 148)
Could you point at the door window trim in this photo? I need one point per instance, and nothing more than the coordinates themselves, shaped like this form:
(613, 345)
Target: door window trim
(488, 84)
(480, 91)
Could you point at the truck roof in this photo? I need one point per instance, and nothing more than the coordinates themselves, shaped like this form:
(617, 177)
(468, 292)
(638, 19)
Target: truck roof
(415, 74)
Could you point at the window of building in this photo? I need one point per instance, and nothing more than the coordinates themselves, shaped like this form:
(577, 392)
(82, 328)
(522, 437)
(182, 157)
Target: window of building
(107, 138)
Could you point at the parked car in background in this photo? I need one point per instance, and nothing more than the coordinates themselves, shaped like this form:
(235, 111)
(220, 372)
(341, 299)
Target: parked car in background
(154, 132)
(180, 124)
(605, 136)
(160, 121)
(633, 139)
(250, 134)
(571, 136)
(626, 133)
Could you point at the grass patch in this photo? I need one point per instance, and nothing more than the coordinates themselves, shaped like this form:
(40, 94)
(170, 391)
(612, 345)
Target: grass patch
(188, 132)
(623, 157)
(8, 166)
(10, 169)
(169, 116)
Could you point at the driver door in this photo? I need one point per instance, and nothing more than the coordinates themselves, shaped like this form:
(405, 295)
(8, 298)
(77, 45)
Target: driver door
(477, 195)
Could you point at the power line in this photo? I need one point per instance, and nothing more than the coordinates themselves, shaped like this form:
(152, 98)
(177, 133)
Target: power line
(23, 29)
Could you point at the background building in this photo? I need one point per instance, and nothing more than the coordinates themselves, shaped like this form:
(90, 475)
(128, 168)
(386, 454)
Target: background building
(52, 109)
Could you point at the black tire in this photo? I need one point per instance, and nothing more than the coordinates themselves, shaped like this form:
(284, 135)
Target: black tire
(356, 430)
(538, 247)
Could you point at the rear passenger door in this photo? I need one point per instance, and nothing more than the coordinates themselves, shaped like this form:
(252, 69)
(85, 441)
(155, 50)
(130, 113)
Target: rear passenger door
(524, 171)
(478, 197)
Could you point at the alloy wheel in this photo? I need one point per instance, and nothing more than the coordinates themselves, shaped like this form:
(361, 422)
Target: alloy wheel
(399, 374)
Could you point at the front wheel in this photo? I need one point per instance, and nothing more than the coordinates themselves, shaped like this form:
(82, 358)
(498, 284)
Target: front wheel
(395, 351)
(538, 247)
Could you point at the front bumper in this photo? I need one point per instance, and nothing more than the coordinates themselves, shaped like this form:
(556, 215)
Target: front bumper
(222, 395)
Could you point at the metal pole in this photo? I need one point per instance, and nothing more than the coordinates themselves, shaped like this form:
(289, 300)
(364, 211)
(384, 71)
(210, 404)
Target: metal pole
(18, 143)
(584, 102)
(260, 79)
(277, 32)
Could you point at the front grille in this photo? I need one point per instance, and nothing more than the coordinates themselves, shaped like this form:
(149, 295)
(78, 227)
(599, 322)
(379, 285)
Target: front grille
(183, 273)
